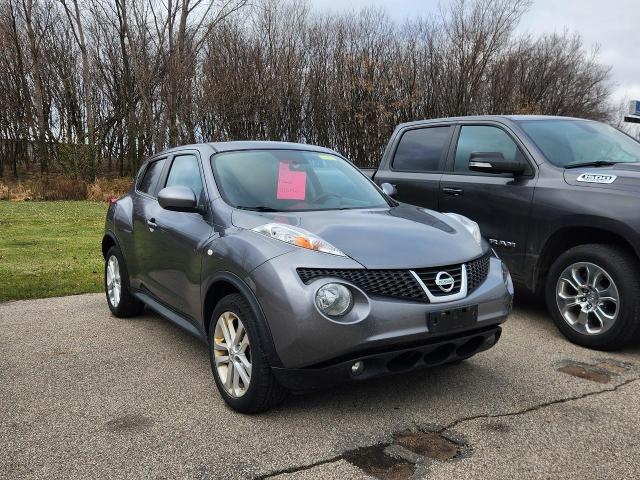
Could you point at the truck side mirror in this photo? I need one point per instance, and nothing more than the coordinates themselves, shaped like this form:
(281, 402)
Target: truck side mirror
(389, 189)
(494, 162)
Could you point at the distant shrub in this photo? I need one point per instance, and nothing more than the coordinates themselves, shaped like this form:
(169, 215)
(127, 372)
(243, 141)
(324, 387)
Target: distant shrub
(16, 191)
(61, 187)
(103, 189)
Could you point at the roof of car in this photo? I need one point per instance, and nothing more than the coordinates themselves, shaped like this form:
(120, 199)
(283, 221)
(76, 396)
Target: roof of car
(266, 145)
(500, 118)
(246, 145)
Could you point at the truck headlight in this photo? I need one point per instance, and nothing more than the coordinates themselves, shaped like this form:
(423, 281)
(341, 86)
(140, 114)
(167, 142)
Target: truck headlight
(506, 277)
(471, 226)
(334, 299)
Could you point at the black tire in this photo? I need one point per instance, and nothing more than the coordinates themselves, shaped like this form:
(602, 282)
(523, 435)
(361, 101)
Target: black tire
(623, 270)
(128, 306)
(264, 391)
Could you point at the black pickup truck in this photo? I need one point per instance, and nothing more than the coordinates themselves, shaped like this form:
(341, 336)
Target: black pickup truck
(558, 198)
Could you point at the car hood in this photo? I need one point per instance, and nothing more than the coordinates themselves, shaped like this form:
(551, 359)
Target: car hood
(627, 176)
(398, 237)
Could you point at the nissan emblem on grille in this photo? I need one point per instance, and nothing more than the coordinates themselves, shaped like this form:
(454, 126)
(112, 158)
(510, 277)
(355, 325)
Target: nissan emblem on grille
(418, 286)
(445, 281)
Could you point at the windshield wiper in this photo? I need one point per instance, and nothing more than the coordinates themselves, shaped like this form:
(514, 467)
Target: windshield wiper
(597, 163)
(258, 208)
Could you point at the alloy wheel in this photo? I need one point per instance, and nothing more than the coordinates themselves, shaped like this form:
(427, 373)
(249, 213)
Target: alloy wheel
(232, 354)
(588, 298)
(114, 285)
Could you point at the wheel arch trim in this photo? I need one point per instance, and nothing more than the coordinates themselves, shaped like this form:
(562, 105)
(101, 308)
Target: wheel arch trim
(603, 230)
(242, 287)
(109, 235)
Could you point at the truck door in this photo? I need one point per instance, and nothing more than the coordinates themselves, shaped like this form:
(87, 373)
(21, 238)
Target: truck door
(499, 203)
(417, 164)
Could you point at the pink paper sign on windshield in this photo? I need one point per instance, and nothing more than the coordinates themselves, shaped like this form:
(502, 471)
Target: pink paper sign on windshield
(291, 184)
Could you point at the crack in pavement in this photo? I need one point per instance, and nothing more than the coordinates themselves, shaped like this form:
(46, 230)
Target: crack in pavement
(299, 468)
(459, 421)
(534, 408)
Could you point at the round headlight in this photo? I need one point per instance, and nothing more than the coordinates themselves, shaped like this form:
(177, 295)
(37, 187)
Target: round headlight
(334, 299)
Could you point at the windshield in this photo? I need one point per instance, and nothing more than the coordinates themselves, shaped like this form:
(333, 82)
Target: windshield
(573, 142)
(292, 180)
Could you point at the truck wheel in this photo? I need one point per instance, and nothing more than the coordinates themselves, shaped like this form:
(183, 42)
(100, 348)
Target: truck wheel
(592, 293)
(240, 368)
(116, 286)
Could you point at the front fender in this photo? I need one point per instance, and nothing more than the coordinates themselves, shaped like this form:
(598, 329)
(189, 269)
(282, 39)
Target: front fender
(246, 289)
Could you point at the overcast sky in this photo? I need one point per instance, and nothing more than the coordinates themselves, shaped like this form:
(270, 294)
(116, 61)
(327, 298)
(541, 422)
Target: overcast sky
(612, 24)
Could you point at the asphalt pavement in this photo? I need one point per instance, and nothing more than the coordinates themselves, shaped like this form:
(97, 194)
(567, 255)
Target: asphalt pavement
(86, 395)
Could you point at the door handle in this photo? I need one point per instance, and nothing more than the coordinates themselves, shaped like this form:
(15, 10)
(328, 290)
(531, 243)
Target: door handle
(452, 191)
(151, 223)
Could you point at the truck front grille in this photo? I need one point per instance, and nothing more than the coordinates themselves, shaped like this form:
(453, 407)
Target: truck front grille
(402, 284)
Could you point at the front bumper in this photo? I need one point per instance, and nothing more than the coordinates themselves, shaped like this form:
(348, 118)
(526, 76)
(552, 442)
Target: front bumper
(430, 354)
(305, 339)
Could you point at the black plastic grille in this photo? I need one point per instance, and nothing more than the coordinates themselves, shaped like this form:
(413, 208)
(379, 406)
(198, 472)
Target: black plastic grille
(386, 283)
(401, 283)
(477, 271)
(428, 277)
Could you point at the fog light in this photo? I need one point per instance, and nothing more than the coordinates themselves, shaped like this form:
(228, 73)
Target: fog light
(357, 368)
(334, 299)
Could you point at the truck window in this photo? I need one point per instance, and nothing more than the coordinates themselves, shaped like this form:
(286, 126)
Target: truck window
(420, 150)
(483, 138)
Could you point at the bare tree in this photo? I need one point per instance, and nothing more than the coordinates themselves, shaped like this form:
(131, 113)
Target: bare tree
(75, 21)
(94, 86)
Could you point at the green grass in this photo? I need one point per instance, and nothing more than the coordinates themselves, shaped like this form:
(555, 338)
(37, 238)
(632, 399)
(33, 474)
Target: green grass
(50, 248)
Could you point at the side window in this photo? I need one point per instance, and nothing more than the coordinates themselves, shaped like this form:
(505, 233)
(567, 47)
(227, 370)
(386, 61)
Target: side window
(420, 150)
(484, 139)
(150, 177)
(185, 172)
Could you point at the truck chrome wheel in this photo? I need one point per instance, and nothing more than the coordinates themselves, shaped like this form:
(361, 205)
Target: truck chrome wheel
(232, 354)
(114, 285)
(588, 298)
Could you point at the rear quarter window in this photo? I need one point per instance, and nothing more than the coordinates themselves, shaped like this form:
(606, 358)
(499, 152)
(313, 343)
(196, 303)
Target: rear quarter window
(150, 177)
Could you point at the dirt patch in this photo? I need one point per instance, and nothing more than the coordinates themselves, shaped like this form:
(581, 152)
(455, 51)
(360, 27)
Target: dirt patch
(129, 423)
(588, 372)
(58, 353)
(614, 366)
(497, 427)
(428, 444)
(387, 461)
(375, 462)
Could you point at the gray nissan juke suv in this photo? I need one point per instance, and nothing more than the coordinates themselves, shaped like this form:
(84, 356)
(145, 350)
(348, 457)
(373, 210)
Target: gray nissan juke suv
(297, 270)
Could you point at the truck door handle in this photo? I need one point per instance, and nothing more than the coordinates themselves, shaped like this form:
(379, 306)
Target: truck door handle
(452, 191)
(151, 223)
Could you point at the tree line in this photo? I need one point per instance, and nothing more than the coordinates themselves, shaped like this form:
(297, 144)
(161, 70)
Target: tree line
(94, 86)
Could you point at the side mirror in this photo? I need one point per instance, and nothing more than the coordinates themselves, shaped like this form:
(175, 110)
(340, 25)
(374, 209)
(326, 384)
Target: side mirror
(389, 189)
(178, 199)
(494, 162)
